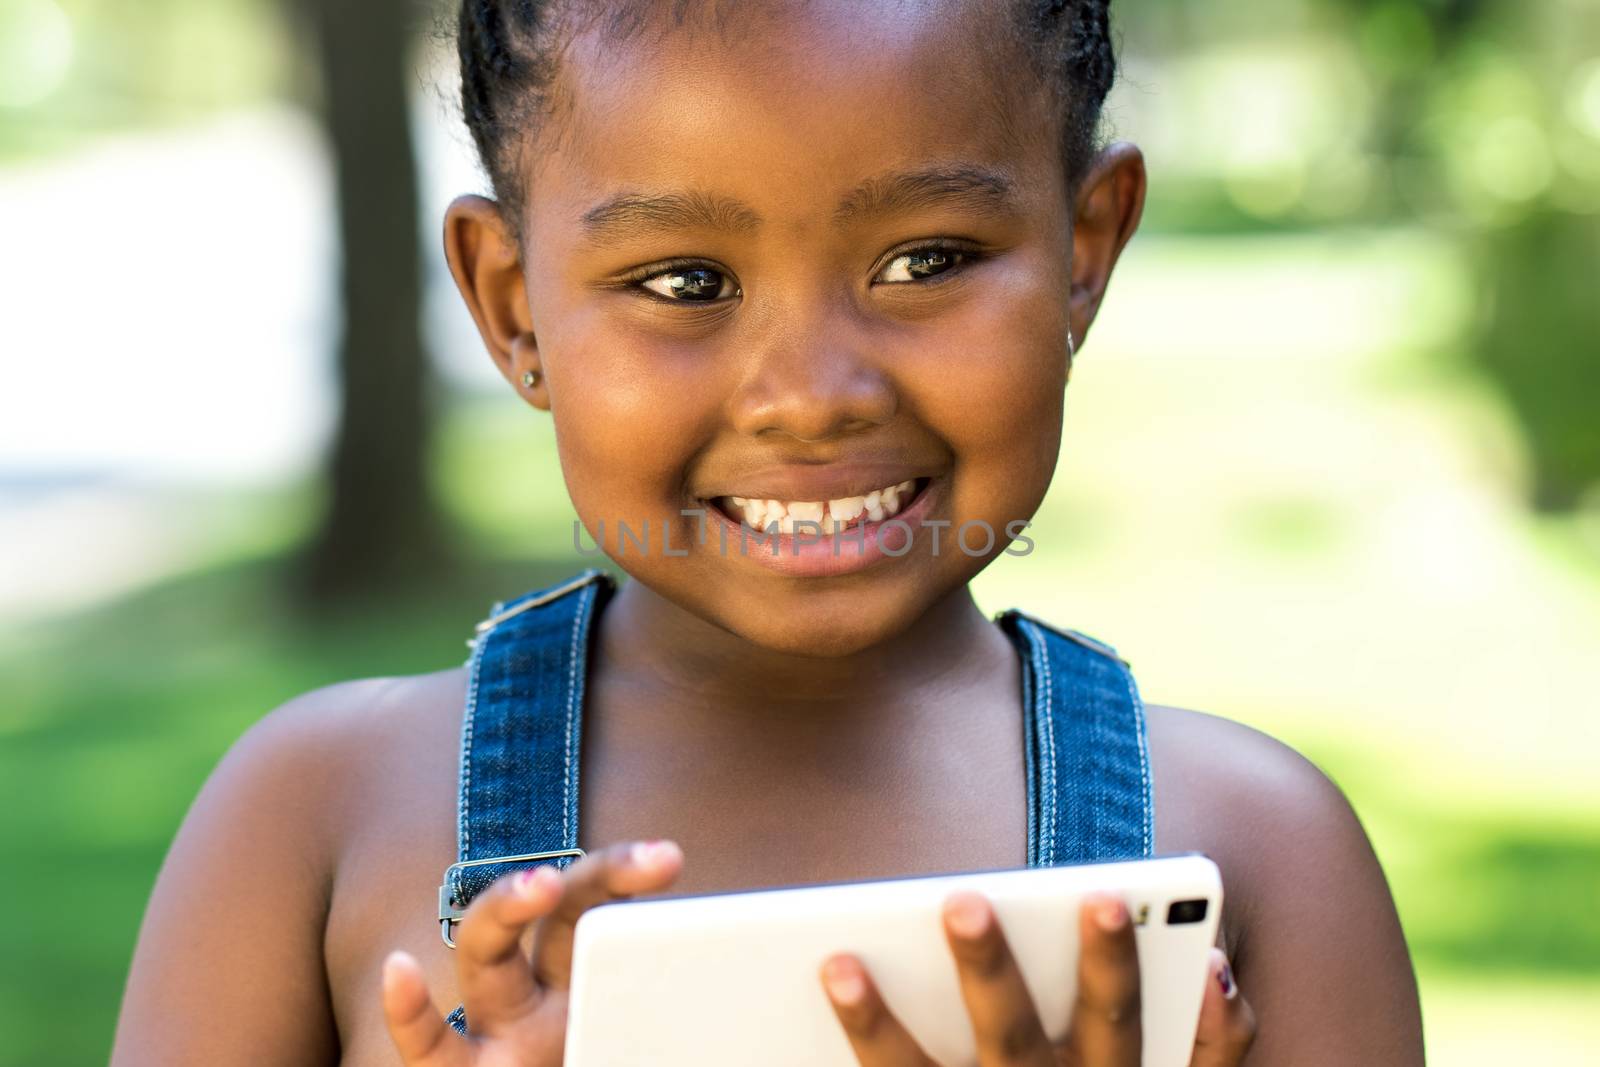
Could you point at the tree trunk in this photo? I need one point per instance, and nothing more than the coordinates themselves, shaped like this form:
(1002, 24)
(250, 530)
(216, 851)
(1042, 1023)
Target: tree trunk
(379, 526)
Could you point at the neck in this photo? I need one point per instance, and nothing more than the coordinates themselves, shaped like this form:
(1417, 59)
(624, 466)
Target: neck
(645, 636)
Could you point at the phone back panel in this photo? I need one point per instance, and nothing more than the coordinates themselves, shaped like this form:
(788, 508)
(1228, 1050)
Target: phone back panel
(732, 980)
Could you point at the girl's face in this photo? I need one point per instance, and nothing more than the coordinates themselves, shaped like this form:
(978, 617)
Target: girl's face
(821, 252)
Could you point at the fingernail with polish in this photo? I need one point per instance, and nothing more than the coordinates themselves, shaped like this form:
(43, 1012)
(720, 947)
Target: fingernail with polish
(531, 881)
(1230, 989)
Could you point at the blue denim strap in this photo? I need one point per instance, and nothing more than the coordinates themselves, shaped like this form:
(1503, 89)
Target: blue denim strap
(521, 733)
(1087, 753)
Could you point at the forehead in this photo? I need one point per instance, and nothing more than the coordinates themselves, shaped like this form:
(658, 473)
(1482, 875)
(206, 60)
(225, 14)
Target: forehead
(789, 103)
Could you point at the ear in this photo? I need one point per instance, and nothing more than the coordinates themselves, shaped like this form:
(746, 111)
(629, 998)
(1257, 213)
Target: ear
(1109, 204)
(487, 267)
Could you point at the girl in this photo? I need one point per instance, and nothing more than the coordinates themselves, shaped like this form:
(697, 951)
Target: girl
(814, 269)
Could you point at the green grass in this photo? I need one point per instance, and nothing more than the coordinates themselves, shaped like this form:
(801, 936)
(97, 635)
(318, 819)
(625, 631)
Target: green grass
(112, 721)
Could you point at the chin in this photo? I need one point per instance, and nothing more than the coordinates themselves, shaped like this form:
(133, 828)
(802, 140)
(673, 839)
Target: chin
(812, 638)
(824, 630)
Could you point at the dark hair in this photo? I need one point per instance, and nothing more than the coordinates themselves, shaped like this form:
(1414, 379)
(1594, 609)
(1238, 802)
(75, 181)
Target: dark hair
(509, 56)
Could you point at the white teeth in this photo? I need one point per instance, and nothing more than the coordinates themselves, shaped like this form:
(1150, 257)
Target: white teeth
(809, 510)
(804, 511)
(843, 511)
(873, 502)
(831, 516)
(892, 496)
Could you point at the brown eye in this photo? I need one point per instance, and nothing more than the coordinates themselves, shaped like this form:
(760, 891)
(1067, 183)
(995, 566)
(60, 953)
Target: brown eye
(699, 284)
(920, 263)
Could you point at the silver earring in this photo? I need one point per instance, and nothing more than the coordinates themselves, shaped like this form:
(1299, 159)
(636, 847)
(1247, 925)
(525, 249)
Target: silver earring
(1072, 350)
(530, 378)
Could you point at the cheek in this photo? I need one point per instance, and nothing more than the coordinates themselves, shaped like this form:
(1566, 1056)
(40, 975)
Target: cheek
(623, 420)
(997, 399)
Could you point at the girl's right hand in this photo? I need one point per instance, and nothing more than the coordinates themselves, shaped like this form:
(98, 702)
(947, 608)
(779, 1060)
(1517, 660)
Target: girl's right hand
(516, 1005)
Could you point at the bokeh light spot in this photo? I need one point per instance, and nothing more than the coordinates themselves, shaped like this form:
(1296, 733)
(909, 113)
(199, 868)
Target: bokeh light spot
(1583, 102)
(1512, 159)
(36, 46)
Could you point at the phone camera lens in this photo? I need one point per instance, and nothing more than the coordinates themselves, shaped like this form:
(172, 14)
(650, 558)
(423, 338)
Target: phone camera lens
(1186, 911)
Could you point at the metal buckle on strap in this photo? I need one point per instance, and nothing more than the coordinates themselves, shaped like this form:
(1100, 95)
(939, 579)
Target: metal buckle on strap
(498, 617)
(449, 914)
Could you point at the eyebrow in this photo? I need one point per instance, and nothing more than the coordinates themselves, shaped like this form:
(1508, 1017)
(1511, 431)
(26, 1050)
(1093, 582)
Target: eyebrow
(979, 189)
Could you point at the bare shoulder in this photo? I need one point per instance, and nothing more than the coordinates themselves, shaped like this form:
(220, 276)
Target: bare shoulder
(336, 748)
(247, 884)
(345, 742)
(1263, 811)
(354, 713)
(1309, 922)
(1216, 769)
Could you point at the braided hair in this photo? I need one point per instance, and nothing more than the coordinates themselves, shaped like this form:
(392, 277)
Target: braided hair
(508, 51)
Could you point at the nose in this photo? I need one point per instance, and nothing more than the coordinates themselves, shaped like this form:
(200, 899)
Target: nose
(812, 377)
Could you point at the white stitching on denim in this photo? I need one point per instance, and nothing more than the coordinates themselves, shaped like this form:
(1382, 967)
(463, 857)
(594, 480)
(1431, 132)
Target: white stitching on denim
(468, 719)
(1147, 801)
(1042, 657)
(572, 701)
(1030, 719)
(1050, 721)
(463, 806)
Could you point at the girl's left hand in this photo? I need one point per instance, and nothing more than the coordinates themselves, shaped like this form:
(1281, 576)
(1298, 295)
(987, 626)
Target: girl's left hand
(1105, 1029)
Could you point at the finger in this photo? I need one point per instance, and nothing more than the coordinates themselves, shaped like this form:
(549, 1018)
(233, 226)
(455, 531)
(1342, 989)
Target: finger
(418, 1031)
(1227, 1023)
(497, 986)
(1105, 1021)
(1004, 1020)
(615, 873)
(878, 1038)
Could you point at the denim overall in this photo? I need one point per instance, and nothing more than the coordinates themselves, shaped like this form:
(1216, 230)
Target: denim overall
(1088, 767)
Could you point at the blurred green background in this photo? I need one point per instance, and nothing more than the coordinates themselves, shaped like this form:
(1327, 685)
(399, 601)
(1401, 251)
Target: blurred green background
(1331, 464)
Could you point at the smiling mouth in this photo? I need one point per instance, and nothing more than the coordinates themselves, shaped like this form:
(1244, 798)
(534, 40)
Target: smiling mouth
(831, 516)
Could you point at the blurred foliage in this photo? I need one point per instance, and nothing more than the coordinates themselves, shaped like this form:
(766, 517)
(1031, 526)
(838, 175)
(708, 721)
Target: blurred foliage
(1479, 119)
(72, 70)
(1540, 341)
(1462, 113)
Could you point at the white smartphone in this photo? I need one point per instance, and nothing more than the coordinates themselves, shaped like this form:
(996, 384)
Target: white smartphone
(732, 979)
